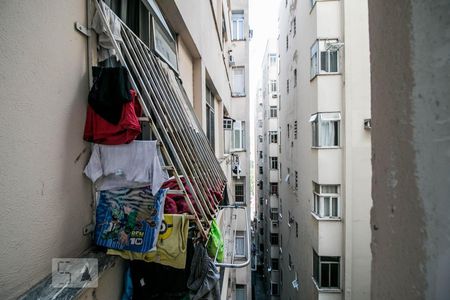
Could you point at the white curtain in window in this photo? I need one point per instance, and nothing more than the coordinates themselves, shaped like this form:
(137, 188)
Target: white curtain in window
(238, 134)
(327, 129)
(239, 246)
(239, 80)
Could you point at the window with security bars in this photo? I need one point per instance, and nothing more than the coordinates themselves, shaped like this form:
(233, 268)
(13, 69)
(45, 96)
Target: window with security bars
(326, 271)
(239, 193)
(275, 264)
(261, 170)
(326, 200)
(296, 180)
(273, 86)
(295, 129)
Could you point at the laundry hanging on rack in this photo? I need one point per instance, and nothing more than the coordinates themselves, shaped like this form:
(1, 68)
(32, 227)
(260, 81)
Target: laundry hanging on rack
(204, 276)
(106, 47)
(109, 92)
(100, 131)
(129, 219)
(215, 243)
(157, 281)
(171, 248)
(136, 164)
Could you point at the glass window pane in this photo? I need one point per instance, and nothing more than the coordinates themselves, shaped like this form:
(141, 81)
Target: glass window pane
(326, 206)
(324, 61)
(334, 275)
(333, 61)
(324, 275)
(335, 207)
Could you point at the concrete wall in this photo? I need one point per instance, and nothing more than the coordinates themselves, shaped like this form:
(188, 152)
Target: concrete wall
(46, 199)
(410, 56)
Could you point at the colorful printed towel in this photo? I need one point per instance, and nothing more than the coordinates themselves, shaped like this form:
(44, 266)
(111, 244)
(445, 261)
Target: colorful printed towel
(129, 219)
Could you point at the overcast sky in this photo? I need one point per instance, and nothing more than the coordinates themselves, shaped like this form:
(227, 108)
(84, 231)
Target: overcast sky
(264, 22)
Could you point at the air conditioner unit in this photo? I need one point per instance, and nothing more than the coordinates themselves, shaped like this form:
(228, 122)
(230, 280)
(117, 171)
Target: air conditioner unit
(274, 95)
(231, 61)
(368, 124)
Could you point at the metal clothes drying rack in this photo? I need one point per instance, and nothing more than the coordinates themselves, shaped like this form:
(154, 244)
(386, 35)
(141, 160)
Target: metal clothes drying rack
(183, 144)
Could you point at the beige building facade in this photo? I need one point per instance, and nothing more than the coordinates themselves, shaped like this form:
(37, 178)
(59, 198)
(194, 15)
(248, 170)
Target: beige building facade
(324, 158)
(45, 65)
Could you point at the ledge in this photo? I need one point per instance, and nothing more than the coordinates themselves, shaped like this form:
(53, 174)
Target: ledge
(326, 219)
(326, 290)
(44, 289)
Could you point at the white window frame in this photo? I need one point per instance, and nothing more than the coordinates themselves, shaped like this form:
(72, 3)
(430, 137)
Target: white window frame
(317, 50)
(238, 77)
(320, 122)
(321, 260)
(236, 195)
(237, 25)
(241, 238)
(238, 136)
(227, 124)
(273, 137)
(326, 205)
(273, 112)
(273, 162)
(273, 86)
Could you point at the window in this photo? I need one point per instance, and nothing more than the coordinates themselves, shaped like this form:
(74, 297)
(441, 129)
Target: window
(294, 25)
(274, 188)
(273, 162)
(239, 192)
(274, 238)
(324, 57)
(238, 75)
(326, 271)
(290, 264)
(239, 244)
(260, 154)
(275, 264)
(261, 185)
(274, 214)
(288, 130)
(325, 129)
(227, 124)
(281, 208)
(239, 135)
(296, 180)
(273, 137)
(273, 112)
(326, 200)
(287, 42)
(273, 86)
(272, 59)
(295, 77)
(274, 289)
(260, 123)
(237, 25)
(260, 200)
(295, 130)
(261, 217)
(261, 170)
(135, 14)
(260, 137)
(296, 229)
(287, 86)
(210, 117)
(288, 176)
(241, 292)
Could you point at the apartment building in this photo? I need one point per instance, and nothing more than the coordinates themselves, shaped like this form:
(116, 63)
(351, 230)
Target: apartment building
(324, 159)
(48, 59)
(267, 172)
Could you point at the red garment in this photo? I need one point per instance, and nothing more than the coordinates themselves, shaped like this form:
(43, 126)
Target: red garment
(176, 204)
(100, 131)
